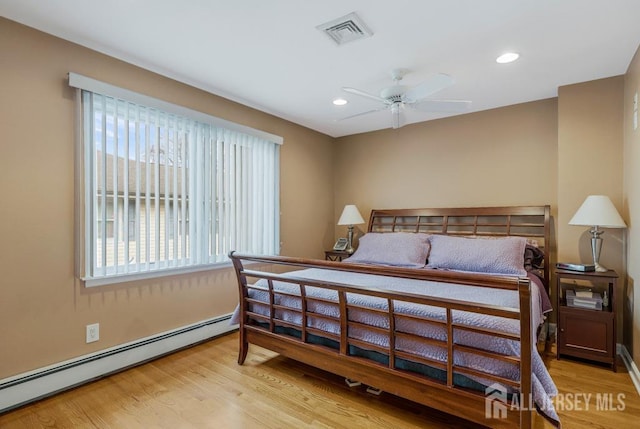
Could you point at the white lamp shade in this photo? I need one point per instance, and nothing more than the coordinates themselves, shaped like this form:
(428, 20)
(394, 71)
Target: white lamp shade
(350, 216)
(598, 210)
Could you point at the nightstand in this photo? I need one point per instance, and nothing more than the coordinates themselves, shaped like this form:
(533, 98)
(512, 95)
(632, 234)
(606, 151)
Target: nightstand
(582, 332)
(336, 255)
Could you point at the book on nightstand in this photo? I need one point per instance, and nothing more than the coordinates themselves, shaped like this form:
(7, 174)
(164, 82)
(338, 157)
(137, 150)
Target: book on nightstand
(584, 293)
(594, 302)
(576, 267)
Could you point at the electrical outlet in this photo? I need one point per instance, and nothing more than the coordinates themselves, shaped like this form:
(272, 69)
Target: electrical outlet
(93, 332)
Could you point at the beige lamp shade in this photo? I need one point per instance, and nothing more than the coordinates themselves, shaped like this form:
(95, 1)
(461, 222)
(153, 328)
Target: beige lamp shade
(598, 210)
(350, 216)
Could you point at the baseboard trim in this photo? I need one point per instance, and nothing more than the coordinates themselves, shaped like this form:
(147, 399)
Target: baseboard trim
(34, 385)
(634, 373)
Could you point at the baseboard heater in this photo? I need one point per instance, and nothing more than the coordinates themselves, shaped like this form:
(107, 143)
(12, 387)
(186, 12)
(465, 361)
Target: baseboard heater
(34, 385)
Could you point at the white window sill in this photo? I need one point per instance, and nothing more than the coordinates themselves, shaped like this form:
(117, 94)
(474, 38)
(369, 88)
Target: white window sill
(123, 278)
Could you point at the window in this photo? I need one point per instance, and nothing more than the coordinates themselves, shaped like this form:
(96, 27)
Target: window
(167, 189)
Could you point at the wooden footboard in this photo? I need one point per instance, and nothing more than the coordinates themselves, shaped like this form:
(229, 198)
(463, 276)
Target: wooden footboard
(342, 354)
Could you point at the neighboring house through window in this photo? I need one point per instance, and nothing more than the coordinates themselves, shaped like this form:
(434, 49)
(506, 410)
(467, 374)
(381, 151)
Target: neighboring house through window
(168, 189)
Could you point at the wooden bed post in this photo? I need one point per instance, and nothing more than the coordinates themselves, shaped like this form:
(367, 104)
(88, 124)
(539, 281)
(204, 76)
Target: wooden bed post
(526, 389)
(242, 294)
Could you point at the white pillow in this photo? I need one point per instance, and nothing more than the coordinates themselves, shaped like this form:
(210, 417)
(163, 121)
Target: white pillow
(494, 256)
(399, 249)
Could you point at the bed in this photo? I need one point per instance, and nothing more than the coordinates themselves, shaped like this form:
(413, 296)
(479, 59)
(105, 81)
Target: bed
(452, 326)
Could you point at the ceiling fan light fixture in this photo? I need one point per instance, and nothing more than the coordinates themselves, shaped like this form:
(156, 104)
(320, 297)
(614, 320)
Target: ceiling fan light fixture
(340, 101)
(395, 115)
(507, 57)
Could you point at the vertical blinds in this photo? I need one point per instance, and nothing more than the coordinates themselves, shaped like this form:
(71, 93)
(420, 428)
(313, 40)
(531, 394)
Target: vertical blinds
(165, 191)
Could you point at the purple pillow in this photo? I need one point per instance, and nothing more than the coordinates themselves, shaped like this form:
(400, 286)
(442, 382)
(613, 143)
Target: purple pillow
(493, 256)
(399, 249)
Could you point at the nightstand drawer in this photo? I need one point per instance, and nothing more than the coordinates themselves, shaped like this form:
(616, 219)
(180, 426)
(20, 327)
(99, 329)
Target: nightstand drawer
(586, 334)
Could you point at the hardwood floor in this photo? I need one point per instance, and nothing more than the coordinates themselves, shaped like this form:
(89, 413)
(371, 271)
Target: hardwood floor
(204, 387)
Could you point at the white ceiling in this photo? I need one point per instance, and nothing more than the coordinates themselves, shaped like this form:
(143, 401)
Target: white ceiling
(268, 54)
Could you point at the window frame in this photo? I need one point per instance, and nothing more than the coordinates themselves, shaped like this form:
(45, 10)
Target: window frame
(84, 239)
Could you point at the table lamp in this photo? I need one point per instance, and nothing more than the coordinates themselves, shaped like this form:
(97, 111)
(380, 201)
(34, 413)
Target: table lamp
(350, 216)
(598, 212)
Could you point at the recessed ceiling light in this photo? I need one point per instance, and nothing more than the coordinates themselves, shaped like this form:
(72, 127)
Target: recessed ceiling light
(507, 58)
(340, 101)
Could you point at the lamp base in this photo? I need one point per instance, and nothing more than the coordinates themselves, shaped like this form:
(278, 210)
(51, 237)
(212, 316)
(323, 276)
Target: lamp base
(600, 268)
(596, 247)
(350, 248)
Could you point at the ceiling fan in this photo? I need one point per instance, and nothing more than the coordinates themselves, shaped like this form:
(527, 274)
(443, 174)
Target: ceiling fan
(396, 97)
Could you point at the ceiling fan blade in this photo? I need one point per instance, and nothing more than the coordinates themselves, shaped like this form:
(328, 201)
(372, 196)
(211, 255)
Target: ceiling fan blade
(433, 84)
(444, 106)
(363, 94)
(362, 114)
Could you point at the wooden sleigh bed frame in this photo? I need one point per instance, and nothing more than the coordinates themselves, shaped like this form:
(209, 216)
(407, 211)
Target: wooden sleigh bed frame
(299, 341)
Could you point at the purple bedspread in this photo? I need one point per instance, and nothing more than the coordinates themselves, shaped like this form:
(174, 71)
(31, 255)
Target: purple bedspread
(543, 387)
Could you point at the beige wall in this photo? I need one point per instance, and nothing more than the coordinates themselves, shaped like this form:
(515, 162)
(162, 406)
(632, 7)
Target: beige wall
(590, 143)
(43, 310)
(504, 156)
(631, 211)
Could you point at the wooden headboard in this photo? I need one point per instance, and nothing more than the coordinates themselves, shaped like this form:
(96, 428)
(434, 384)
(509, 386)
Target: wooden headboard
(521, 221)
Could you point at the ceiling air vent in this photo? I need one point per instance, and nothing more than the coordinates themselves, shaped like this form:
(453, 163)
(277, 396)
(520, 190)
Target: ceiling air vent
(345, 29)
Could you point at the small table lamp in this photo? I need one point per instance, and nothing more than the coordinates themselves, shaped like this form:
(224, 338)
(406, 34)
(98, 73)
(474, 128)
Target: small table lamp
(350, 216)
(597, 211)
